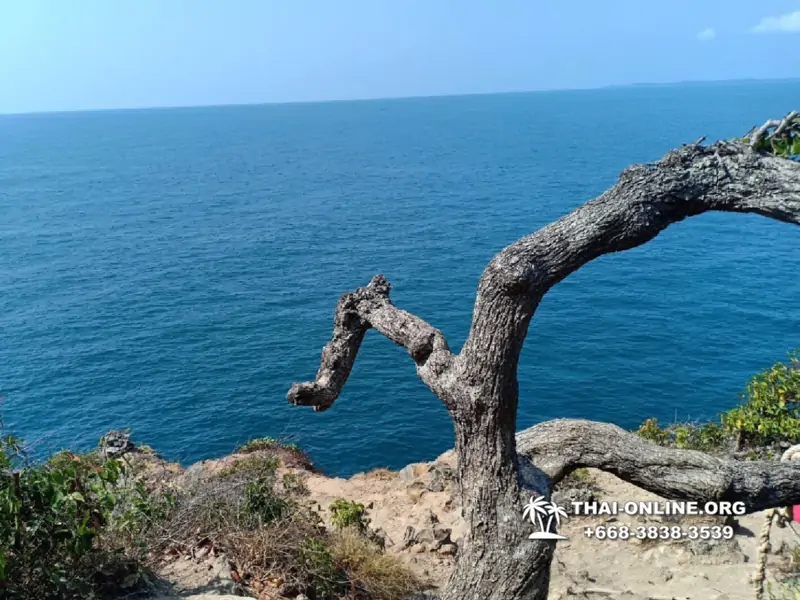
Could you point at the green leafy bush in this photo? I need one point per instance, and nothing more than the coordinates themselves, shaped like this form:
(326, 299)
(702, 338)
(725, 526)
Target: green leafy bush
(294, 484)
(262, 501)
(707, 437)
(317, 559)
(51, 515)
(652, 431)
(346, 513)
(86, 527)
(692, 436)
(286, 454)
(786, 144)
(770, 411)
(139, 508)
(265, 443)
(769, 414)
(254, 467)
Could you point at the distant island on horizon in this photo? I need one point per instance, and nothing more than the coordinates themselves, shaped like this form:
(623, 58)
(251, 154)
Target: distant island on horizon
(620, 86)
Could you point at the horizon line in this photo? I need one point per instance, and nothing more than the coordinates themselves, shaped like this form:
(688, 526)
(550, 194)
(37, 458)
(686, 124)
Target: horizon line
(411, 97)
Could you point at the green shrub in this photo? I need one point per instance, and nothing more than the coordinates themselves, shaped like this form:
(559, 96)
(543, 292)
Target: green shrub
(580, 475)
(786, 144)
(286, 454)
(252, 466)
(294, 484)
(685, 436)
(138, 510)
(261, 501)
(51, 516)
(769, 414)
(711, 435)
(652, 431)
(346, 513)
(787, 590)
(770, 411)
(265, 443)
(317, 560)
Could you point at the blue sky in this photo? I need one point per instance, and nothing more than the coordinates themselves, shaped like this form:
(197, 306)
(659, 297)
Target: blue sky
(84, 54)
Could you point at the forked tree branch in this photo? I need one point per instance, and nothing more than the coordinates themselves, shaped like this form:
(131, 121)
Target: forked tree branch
(561, 446)
(365, 308)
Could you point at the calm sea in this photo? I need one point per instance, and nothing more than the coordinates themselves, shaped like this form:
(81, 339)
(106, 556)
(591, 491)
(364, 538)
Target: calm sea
(174, 271)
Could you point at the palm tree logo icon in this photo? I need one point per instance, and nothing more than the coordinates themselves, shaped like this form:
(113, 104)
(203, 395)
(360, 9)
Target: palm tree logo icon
(539, 507)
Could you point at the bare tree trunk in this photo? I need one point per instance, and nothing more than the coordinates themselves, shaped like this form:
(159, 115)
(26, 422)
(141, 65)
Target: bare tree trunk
(479, 387)
(495, 483)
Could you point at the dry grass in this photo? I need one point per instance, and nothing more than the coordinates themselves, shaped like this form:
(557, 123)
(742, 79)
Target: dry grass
(257, 519)
(290, 552)
(370, 571)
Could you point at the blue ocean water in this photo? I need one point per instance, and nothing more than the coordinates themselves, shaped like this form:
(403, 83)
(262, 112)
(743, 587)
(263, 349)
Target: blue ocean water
(175, 270)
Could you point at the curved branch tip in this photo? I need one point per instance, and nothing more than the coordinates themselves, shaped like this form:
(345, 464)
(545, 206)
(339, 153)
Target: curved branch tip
(380, 285)
(310, 393)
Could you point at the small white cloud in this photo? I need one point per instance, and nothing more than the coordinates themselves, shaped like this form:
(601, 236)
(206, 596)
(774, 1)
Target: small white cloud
(788, 23)
(707, 34)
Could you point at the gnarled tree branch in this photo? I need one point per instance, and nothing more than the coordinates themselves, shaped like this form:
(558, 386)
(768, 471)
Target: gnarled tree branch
(365, 308)
(560, 446)
(725, 176)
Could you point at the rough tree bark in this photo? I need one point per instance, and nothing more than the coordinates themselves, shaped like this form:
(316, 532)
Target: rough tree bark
(498, 471)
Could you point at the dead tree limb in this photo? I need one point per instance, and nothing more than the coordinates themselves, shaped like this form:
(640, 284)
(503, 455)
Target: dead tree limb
(479, 385)
(780, 126)
(370, 308)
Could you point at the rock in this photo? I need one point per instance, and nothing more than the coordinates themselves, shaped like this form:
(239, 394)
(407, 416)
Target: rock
(411, 473)
(116, 443)
(419, 548)
(416, 490)
(301, 597)
(565, 497)
(188, 576)
(430, 516)
(715, 552)
(406, 474)
(448, 550)
(441, 535)
(442, 478)
(409, 537)
(380, 537)
(434, 536)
